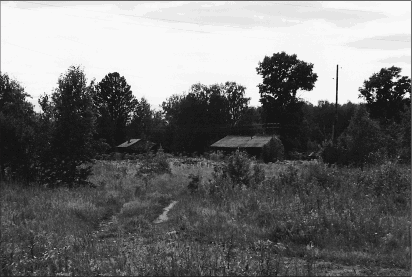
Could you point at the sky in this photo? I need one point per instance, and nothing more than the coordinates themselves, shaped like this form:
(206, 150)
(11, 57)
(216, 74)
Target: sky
(162, 48)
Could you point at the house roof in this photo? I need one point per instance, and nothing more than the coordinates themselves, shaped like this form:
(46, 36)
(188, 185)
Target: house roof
(242, 142)
(128, 143)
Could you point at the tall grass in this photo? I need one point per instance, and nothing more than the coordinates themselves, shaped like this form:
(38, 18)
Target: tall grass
(285, 224)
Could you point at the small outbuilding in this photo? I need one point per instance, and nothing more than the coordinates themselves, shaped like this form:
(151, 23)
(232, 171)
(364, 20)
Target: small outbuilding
(253, 145)
(136, 146)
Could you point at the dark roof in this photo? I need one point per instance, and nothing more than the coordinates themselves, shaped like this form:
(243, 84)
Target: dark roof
(242, 142)
(128, 143)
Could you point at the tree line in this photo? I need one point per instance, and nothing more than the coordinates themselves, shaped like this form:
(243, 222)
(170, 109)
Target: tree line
(80, 119)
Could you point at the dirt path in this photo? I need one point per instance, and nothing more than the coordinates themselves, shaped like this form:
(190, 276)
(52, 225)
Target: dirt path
(163, 217)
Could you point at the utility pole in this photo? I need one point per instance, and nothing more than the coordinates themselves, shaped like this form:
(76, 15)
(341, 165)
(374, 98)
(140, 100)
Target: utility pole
(336, 106)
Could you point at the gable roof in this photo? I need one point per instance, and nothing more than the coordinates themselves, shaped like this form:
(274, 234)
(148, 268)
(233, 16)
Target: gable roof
(242, 142)
(128, 143)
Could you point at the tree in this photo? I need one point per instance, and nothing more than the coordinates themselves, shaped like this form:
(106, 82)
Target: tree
(203, 115)
(273, 151)
(115, 103)
(238, 103)
(386, 94)
(323, 119)
(250, 123)
(17, 129)
(361, 140)
(142, 120)
(70, 110)
(283, 75)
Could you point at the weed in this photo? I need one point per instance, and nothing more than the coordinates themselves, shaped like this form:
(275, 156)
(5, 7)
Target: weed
(284, 225)
(194, 183)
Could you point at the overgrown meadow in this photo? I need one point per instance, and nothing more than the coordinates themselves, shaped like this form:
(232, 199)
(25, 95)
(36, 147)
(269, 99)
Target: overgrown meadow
(234, 216)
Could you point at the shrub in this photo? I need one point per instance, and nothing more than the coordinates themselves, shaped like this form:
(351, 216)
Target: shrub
(154, 164)
(258, 174)
(100, 146)
(362, 142)
(330, 153)
(388, 181)
(216, 156)
(194, 183)
(220, 184)
(118, 156)
(273, 151)
(320, 173)
(238, 168)
(236, 173)
(161, 163)
(289, 179)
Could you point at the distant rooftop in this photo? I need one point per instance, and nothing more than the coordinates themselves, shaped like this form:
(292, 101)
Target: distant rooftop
(128, 143)
(242, 141)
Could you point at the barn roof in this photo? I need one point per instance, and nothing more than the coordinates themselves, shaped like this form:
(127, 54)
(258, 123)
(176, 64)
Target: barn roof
(242, 142)
(128, 143)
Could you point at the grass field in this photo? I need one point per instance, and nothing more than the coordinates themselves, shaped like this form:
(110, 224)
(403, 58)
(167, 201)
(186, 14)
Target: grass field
(303, 219)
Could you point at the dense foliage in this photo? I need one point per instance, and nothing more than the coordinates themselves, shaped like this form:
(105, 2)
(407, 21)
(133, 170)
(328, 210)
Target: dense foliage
(234, 214)
(115, 104)
(283, 75)
(78, 122)
(203, 115)
(386, 94)
(17, 131)
(71, 134)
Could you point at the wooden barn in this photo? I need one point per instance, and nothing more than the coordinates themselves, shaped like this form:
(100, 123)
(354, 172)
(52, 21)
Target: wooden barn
(253, 145)
(136, 146)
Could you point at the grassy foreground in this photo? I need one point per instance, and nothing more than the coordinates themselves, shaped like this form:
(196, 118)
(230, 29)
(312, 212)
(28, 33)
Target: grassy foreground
(302, 219)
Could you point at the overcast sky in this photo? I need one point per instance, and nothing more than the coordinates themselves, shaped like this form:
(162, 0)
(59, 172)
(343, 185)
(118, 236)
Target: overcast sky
(162, 48)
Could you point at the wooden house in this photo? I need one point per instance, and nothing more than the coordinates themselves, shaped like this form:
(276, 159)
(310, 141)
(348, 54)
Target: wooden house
(136, 146)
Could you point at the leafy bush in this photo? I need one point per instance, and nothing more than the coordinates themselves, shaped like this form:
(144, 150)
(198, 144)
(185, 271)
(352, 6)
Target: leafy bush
(361, 143)
(319, 172)
(238, 168)
(154, 164)
(216, 156)
(258, 174)
(100, 146)
(331, 154)
(18, 136)
(388, 181)
(273, 151)
(238, 172)
(194, 183)
(221, 184)
(289, 179)
(161, 163)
